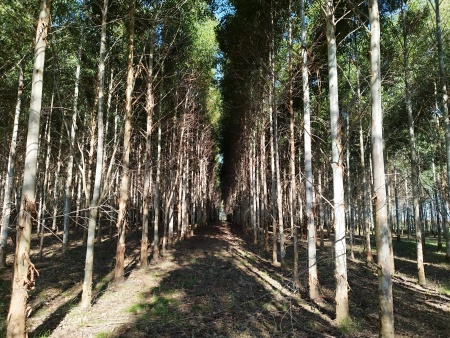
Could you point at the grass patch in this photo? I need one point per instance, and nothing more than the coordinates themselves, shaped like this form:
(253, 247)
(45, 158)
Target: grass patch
(137, 308)
(103, 335)
(349, 326)
(445, 289)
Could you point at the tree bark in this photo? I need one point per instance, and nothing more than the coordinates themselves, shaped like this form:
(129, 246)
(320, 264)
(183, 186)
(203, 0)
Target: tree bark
(386, 314)
(342, 310)
(443, 87)
(125, 180)
(149, 109)
(9, 179)
(94, 204)
(24, 270)
(414, 160)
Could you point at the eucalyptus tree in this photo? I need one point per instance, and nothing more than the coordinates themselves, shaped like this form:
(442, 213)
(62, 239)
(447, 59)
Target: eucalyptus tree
(94, 203)
(413, 156)
(24, 269)
(125, 180)
(313, 281)
(342, 309)
(444, 104)
(386, 314)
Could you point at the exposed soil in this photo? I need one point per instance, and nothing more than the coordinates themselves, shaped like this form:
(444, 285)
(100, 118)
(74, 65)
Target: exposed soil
(215, 284)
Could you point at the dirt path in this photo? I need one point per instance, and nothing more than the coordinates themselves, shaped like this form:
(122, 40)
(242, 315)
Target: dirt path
(207, 287)
(215, 284)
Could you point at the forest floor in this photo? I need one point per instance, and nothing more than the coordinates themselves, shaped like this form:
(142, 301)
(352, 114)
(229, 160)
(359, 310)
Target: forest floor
(215, 284)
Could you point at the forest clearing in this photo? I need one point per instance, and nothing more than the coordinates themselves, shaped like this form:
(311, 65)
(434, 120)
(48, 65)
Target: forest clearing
(215, 284)
(224, 168)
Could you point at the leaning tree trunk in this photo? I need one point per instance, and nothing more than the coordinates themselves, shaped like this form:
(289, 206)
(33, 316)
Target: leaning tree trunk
(24, 270)
(9, 180)
(313, 281)
(342, 311)
(444, 94)
(386, 314)
(414, 161)
(94, 205)
(125, 181)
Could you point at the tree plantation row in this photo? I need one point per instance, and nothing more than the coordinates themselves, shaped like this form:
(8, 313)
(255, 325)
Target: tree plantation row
(121, 129)
(340, 130)
(304, 120)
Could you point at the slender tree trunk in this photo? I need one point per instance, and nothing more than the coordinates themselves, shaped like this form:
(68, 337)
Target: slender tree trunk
(386, 314)
(24, 270)
(149, 109)
(9, 180)
(157, 193)
(342, 310)
(397, 208)
(73, 130)
(313, 281)
(94, 204)
(125, 181)
(414, 162)
(443, 87)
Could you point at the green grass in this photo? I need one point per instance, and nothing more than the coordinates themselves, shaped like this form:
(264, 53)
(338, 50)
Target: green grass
(349, 326)
(103, 335)
(445, 289)
(137, 308)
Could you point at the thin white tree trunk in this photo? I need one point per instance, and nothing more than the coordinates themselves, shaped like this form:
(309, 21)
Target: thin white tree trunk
(94, 204)
(414, 160)
(9, 179)
(313, 281)
(386, 314)
(342, 310)
(24, 270)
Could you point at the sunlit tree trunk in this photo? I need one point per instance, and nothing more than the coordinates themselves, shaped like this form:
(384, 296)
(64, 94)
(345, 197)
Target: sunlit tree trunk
(24, 270)
(94, 204)
(313, 281)
(386, 314)
(9, 180)
(342, 311)
(125, 181)
(414, 161)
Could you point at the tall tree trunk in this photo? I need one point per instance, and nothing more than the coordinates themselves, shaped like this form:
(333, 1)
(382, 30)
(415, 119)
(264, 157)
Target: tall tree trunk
(342, 311)
(443, 87)
(149, 109)
(386, 314)
(125, 181)
(24, 270)
(157, 191)
(292, 178)
(73, 130)
(9, 180)
(414, 161)
(94, 204)
(313, 280)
